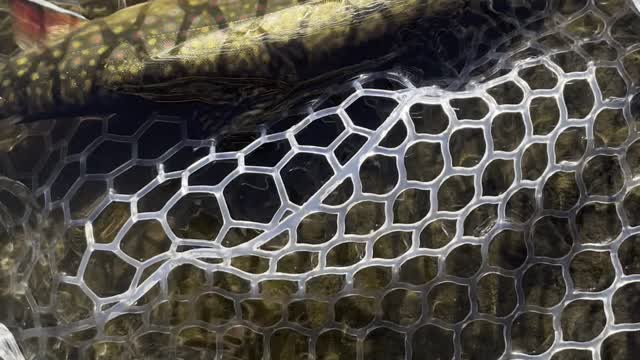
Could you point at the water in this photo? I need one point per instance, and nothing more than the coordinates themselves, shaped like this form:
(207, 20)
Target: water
(402, 214)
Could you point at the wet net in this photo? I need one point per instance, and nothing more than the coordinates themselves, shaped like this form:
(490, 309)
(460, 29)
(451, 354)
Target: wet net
(498, 220)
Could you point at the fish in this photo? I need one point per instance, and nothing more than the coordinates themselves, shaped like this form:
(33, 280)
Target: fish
(28, 23)
(71, 70)
(272, 60)
(201, 50)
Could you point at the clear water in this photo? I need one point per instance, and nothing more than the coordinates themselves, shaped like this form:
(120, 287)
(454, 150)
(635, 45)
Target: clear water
(401, 215)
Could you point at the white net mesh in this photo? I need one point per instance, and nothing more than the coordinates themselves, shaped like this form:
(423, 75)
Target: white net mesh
(498, 221)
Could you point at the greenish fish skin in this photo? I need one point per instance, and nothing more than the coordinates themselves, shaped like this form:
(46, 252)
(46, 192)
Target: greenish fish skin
(178, 50)
(74, 71)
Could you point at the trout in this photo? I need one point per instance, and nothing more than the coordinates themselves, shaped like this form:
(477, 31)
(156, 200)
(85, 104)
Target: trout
(73, 70)
(169, 50)
(24, 23)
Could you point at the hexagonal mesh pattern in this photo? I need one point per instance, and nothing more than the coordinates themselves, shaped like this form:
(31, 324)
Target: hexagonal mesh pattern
(498, 221)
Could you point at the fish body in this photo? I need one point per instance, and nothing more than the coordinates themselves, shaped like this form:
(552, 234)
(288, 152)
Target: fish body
(28, 23)
(178, 50)
(73, 70)
(252, 61)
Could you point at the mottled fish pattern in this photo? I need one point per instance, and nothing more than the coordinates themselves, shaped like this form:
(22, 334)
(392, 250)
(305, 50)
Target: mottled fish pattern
(71, 70)
(184, 50)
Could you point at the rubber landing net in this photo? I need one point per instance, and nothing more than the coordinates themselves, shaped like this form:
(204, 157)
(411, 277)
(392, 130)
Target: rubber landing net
(498, 220)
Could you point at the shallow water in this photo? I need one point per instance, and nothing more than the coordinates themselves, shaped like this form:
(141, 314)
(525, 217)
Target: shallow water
(490, 215)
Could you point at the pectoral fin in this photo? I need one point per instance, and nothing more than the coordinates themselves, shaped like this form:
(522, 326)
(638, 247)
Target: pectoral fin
(38, 21)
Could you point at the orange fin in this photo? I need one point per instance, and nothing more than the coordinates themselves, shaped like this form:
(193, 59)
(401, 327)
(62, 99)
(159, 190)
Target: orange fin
(38, 21)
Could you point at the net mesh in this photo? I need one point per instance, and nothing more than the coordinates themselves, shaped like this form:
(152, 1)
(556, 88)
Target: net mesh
(394, 221)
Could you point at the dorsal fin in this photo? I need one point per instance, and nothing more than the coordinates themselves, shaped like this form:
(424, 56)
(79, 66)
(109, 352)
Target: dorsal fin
(38, 21)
